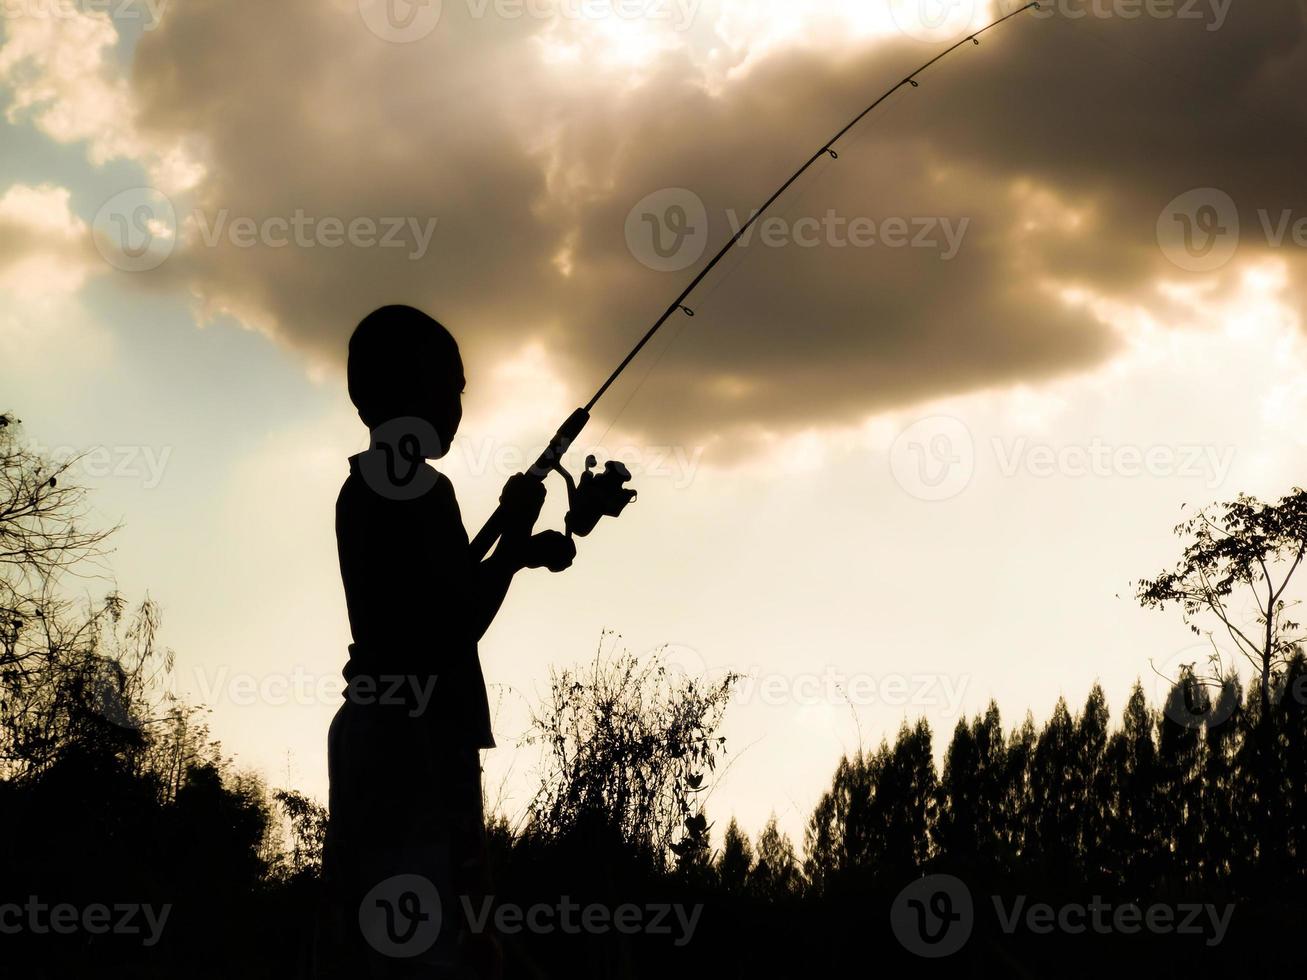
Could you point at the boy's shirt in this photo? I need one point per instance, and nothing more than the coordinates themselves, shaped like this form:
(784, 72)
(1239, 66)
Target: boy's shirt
(408, 577)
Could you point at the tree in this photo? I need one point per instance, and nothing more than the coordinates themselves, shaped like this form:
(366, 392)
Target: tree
(73, 672)
(776, 875)
(969, 825)
(1224, 845)
(1179, 790)
(841, 835)
(1016, 794)
(1132, 759)
(1092, 785)
(1248, 551)
(41, 529)
(1054, 798)
(957, 830)
(1292, 744)
(736, 859)
(905, 796)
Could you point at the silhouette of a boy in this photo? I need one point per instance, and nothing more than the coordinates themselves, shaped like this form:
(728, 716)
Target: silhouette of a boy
(405, 775)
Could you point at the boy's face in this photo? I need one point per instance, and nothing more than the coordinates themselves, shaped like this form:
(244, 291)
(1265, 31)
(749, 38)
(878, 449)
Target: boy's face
(444, 408)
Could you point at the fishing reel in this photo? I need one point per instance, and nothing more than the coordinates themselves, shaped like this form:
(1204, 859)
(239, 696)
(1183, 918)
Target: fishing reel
(596, 496)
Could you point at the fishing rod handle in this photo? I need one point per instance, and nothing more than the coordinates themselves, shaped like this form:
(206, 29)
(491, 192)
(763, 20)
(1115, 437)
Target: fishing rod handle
(567, 434)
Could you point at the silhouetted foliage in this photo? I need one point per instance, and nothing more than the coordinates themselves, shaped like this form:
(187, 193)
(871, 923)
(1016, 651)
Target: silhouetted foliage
(1242, 550)
(113, 791)
(775, 874)
(308, 832)
(629, 748)
(736, 859)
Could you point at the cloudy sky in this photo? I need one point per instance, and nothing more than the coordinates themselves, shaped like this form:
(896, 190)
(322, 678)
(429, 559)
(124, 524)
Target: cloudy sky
(925, 428)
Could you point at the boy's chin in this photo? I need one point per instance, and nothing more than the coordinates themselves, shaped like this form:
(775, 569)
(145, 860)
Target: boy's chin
(443, 445)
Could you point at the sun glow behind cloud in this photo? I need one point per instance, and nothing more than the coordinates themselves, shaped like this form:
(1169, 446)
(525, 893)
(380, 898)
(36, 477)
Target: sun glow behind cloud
(725, 38)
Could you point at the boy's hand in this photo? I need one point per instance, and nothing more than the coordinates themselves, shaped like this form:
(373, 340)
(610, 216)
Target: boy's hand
(551, 549)
(521, 501)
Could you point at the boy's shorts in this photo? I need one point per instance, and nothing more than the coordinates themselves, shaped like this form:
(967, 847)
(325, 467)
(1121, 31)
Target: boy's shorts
(405, 850)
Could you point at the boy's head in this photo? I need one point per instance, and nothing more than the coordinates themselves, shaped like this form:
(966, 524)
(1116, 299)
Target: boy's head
(403, 364)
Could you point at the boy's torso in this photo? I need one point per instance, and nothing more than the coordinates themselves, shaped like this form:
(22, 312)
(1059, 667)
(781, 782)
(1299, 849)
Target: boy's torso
(408, 578)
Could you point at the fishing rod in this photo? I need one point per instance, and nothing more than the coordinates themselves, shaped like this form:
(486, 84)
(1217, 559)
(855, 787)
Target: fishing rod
(601, 495)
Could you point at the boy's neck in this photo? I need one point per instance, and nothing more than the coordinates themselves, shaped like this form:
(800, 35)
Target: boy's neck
(395, 463)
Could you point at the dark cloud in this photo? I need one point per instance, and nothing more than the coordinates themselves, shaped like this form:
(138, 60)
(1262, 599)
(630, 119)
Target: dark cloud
(1058, 142)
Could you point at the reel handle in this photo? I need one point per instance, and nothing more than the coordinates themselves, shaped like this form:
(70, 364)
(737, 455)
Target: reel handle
(567, 434)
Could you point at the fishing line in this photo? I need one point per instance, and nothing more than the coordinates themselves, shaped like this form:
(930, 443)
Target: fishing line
(728, 270)
(738, 256)
(827, 149)
(572, 428)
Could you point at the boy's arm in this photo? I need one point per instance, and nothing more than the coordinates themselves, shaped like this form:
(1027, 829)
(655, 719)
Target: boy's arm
(517, 549)
(494, 575)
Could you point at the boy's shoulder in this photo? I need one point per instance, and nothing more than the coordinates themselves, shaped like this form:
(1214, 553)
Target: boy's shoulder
(376, 481)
